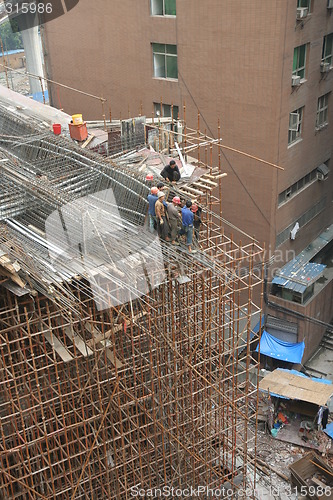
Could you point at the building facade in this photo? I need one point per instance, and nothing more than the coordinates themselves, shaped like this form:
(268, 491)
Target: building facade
(264, 71)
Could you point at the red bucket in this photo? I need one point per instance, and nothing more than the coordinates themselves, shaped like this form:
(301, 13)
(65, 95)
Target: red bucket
(57, 128)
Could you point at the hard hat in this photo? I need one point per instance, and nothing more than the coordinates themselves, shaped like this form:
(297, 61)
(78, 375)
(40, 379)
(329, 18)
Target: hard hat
(154, 190)
(160, 194)
(149, 177)
(194, 208)
(176, 199)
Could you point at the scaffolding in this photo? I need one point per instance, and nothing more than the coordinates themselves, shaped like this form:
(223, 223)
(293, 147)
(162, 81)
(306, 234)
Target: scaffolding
(126, 364)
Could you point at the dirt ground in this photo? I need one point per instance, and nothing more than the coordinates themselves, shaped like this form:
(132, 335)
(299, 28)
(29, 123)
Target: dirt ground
(16, 81)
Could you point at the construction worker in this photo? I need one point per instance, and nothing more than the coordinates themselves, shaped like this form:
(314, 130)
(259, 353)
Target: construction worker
(187, 225)
(152, 199)
(162, 223)
(171, 172)
(174, 217)
(196, 221)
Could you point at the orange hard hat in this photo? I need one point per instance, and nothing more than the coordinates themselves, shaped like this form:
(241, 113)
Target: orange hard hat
(154, 190)
(149, 177)
(176, 199)
(194, 208)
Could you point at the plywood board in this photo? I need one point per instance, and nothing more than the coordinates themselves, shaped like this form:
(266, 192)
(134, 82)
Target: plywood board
(292, 386)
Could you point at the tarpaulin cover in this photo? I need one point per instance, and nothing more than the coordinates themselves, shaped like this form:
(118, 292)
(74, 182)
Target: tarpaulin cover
(279, 349)
(329, 430)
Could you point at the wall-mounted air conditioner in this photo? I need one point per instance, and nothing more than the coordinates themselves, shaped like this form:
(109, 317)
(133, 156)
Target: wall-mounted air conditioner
(325, 67)
(330, 4)
(295, 81)
(322, 172)
(302, 12)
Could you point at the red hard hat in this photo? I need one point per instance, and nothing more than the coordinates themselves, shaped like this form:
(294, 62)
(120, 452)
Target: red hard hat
(176, 199)
(149, 177)
(154, 190)
(194, 208)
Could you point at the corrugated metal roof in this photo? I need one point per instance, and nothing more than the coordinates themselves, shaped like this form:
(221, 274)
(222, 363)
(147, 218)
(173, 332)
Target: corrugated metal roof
(9, 52)
(297, 275)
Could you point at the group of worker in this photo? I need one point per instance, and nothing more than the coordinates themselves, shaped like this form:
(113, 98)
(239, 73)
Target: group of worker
(166, 217)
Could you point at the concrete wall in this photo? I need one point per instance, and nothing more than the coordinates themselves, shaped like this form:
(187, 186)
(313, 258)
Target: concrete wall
(14, 61)
(319, 307)
(235, 63)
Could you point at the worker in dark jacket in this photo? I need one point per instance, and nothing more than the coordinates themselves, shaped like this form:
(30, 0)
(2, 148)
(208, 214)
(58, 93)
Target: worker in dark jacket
(162, 222)
(196, 221)
(174, 218)
(171, 172)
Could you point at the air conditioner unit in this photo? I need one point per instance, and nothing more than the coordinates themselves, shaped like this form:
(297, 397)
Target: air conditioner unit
(295, 81)
(302, 12)
(322, 172)
(325, 67)
(330, 4)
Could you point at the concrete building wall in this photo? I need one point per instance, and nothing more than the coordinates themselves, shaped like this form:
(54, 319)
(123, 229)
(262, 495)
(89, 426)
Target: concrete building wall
(235, 64)
(14, 61)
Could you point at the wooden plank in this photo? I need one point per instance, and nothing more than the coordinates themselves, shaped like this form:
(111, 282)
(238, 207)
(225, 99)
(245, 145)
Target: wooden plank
(77, 340)
(207, 181)
(58, 346)
(97, 334)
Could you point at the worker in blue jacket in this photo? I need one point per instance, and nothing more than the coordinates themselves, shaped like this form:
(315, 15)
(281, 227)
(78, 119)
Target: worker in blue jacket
(187, 225)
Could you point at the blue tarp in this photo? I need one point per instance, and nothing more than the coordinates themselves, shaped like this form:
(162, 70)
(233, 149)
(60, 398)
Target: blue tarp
(329, 430)
(39, 96)
(279, 349)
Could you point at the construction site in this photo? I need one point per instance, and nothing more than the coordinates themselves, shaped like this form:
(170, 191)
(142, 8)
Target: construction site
(126, 364)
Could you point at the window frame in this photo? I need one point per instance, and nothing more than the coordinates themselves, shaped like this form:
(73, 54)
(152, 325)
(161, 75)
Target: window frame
(166, 112)
(300, 70)
(322, 109)
(295, 134)
(159, 55)
(327, 57)
(153, 8)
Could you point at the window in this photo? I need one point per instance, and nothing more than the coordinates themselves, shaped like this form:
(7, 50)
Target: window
(299, 61)
(165, 110)
(303, 220)
(163, 7)
(327, 49)
(295, 125)
(165, 60)
(304, 3)
(298, 186)
(322, 111)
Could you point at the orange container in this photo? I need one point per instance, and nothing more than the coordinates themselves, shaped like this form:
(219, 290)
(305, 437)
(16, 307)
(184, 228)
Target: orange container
(78, 132)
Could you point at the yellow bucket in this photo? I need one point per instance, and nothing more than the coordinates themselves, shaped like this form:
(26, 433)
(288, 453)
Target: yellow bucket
(77, 119)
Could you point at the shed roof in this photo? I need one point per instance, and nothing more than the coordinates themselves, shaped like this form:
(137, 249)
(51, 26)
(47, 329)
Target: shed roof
(291, 384)
(298, 276)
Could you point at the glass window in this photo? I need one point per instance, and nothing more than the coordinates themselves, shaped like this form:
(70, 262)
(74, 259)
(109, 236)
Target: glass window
(299, 61)
(295, 125)
(322, 111)
(304, 3)
(163, 7)
(165, 60)
(327, 49)
(165, 110)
